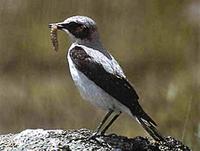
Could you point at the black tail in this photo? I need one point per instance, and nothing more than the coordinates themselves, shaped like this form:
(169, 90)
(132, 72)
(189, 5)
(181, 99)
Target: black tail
(147, 123)
(150, 126)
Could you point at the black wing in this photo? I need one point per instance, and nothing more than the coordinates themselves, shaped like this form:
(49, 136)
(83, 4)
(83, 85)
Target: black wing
(115, 85)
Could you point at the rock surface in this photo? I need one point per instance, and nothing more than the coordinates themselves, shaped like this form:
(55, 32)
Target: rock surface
(77, 140)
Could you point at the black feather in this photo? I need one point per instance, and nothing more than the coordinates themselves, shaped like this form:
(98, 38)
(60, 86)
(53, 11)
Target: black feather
(116, 86)
(151, 129)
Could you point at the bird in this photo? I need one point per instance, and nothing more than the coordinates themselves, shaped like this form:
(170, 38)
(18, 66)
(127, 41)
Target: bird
(99, 78)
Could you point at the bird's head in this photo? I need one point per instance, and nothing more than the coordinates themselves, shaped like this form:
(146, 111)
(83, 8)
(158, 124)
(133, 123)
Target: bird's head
(81, 29)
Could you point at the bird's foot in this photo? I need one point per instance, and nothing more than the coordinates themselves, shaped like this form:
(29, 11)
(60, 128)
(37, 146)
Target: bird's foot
(94, 135)
(96, 138)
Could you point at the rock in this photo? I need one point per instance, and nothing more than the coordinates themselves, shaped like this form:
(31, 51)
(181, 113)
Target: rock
(77, 140)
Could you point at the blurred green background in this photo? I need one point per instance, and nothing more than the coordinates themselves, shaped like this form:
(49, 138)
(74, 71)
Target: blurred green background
(156, 42)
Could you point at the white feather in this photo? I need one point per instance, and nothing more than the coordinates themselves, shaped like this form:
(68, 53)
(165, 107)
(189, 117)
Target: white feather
(110, 65)
(89, 90)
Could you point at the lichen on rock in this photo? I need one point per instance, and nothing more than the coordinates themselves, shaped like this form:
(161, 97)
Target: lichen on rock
(77, 140)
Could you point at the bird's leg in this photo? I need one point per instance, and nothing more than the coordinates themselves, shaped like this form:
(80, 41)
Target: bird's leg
(110, 123)
(104, 120)
(101, 124)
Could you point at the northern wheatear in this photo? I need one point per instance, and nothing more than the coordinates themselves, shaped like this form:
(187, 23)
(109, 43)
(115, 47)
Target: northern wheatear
(99, 77)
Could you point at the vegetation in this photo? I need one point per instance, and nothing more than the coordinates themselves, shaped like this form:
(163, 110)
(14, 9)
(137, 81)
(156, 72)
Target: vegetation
(156, 43)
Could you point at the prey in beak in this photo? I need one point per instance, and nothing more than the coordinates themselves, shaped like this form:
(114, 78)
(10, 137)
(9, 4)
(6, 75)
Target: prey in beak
(59, 26)
(54, 36)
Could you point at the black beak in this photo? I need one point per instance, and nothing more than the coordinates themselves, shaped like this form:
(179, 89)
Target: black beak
(59, 26)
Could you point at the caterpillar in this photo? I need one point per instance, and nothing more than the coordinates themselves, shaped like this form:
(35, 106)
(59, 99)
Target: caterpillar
(53, 36)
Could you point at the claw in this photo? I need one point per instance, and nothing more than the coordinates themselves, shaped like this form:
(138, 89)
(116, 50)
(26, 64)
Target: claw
(93, 136)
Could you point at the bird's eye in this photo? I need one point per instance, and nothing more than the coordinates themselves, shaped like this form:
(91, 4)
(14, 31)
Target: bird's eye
(75, 28)
(79, 29)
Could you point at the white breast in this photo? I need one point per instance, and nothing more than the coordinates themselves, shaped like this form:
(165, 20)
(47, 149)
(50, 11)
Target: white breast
(93, 93)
